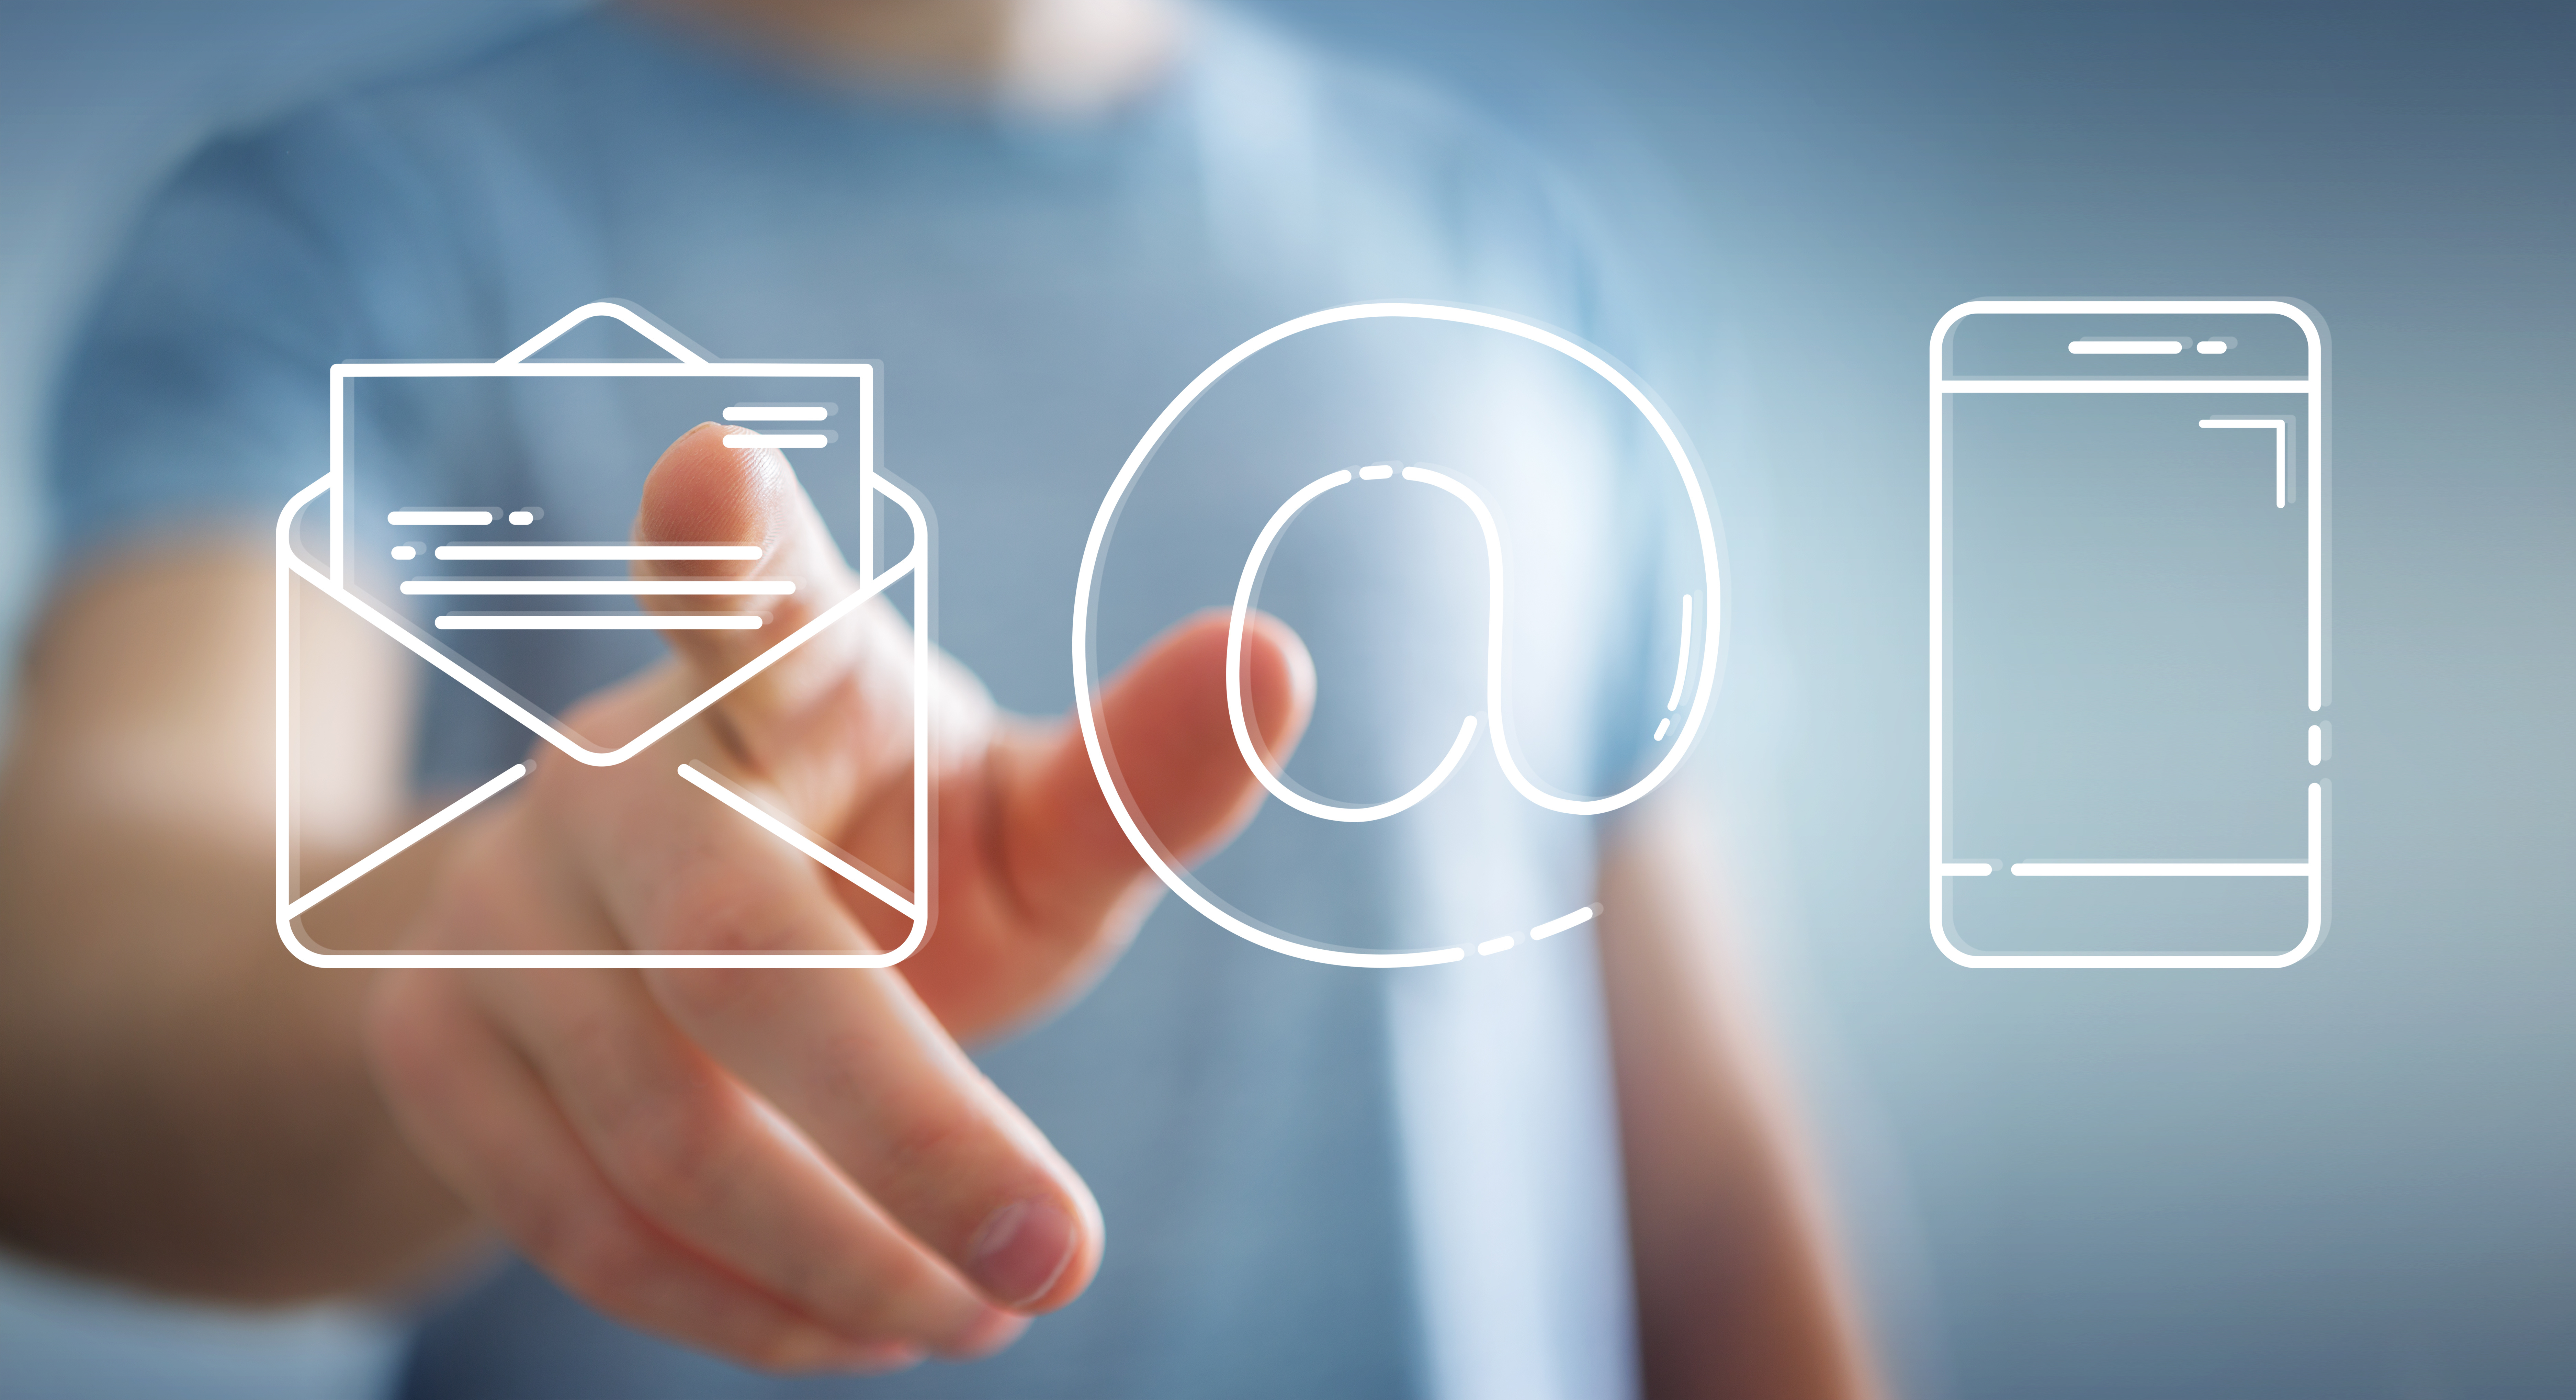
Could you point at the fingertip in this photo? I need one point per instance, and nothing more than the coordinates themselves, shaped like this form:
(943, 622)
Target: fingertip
(1090, 1240)
(1187, 666)
(1278, 681)
(703, 492)
(1166, 725)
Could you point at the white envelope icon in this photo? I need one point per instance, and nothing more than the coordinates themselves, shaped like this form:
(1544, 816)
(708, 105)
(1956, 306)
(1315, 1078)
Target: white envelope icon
(333, 579)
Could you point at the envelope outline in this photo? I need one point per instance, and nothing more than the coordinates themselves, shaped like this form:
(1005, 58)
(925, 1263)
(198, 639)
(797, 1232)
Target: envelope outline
(688, 363)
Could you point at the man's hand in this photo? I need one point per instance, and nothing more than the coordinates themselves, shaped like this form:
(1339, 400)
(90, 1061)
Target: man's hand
(798, 1168)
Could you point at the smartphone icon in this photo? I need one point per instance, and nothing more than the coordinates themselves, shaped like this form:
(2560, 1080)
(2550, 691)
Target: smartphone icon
(2129, 741)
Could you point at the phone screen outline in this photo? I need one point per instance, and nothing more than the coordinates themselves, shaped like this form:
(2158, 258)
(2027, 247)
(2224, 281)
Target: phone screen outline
(1943, 386)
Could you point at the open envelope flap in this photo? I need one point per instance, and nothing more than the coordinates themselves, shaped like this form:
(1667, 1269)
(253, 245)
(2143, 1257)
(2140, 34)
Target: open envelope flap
(405, 426)
(543, 727)
(634, 317)
(291, 564)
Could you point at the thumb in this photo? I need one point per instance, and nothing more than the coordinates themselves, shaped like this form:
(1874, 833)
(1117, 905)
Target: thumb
(720, 614)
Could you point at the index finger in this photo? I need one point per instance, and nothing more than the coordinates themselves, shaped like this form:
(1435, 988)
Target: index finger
(721, 613)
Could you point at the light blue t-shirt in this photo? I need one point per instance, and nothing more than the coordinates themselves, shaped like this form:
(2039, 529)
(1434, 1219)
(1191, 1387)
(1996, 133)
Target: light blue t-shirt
(1317, 1181)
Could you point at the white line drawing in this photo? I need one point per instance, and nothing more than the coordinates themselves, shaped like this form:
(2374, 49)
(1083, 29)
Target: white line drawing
(1252, 757)
(331, 581)
(2280, 451)
(1494, 615)
(779, 412)
(404, 842)
(1681, 666)
(1085, 692)
(901, 903)
(2133, 386)
(2313, 389)
(602, 587)
(2104, 346)
(595, 552)
(438, 517)
(1556, 926)
(597, 622)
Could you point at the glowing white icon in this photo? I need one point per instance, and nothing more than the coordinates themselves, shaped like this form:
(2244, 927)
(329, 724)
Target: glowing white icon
(1699, 640)
(2122, 635)
(561, 601)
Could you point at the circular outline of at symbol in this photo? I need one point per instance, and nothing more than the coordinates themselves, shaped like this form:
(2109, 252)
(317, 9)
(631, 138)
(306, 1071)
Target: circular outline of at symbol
(1084, 687)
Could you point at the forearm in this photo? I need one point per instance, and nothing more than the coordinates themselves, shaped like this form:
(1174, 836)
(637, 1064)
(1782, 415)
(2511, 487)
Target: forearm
(187, 1104)
(1737, 1292)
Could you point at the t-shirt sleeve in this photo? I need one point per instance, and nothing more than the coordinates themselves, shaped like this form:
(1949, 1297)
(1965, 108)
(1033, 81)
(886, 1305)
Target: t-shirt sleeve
(196, 397)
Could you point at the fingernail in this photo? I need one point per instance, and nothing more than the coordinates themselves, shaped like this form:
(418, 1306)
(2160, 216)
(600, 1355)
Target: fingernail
(1020, 1250)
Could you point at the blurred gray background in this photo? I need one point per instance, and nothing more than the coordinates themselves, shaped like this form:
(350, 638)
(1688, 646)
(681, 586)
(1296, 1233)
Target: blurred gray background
(2350, 1178)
